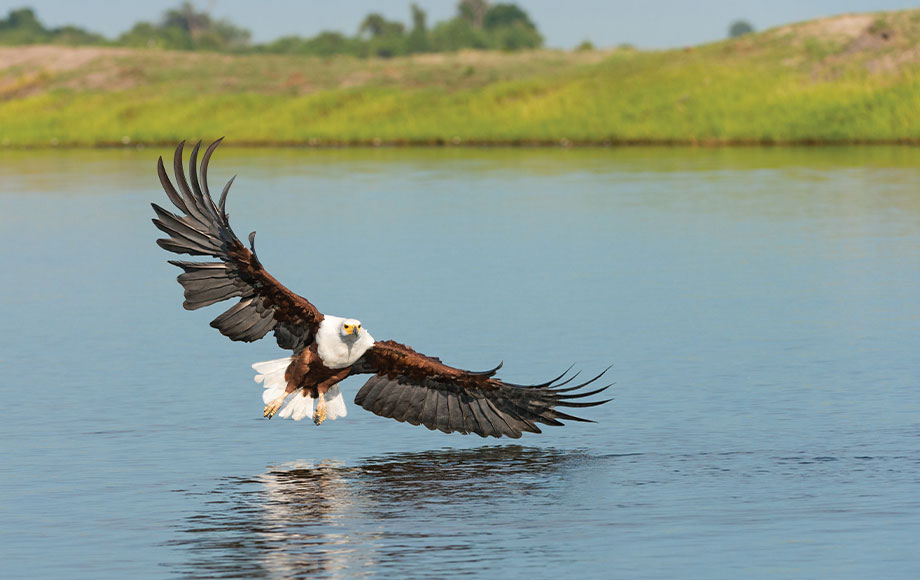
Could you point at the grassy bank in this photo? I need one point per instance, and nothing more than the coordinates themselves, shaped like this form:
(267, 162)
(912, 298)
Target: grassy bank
(853, 78)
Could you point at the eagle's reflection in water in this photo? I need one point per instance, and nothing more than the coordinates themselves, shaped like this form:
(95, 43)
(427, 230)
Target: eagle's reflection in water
(387, 515)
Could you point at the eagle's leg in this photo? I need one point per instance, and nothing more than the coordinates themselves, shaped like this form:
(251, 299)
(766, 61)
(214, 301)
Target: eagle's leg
(319, 415)
(275, 405)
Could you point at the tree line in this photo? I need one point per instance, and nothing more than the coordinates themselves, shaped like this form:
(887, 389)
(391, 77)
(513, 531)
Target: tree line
(477, 24)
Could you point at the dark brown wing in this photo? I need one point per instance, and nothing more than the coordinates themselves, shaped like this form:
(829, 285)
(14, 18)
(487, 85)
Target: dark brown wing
(421, 390)
(203, 229)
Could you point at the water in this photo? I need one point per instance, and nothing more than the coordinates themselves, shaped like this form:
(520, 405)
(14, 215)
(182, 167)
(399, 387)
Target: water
(760, 308)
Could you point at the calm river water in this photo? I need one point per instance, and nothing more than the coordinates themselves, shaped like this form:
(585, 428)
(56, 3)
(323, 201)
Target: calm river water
(761, 308)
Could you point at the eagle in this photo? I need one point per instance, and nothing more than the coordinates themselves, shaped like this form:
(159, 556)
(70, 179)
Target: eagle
(404, 385)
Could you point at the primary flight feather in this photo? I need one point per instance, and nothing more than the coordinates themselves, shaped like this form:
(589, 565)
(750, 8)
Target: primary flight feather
(406, 385)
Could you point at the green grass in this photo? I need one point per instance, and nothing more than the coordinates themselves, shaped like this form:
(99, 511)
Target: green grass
(798, 84)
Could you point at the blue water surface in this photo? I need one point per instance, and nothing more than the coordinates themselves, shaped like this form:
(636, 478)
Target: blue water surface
(760, 307)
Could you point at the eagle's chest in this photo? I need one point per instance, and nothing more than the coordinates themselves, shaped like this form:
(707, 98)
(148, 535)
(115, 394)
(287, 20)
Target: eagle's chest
(336, 354)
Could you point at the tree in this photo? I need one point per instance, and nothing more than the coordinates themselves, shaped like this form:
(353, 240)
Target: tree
(506, 15)
(510, 28)
(22, 26)
(482, 26)
(142, 35)
(221, 35)
(387, 37)
(185, 28)
(477, 24)
(22, 19)
(73, 35)
(456, 34)
(473, 11)
(184, 17)
(740, 28)
(373, 24)
(325, 43)
(418, 37)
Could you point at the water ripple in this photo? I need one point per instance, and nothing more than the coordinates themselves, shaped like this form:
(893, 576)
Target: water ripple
(313, 519)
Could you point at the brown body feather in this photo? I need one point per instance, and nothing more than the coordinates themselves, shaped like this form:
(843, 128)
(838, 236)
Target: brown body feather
(406, 386)
(308, 371)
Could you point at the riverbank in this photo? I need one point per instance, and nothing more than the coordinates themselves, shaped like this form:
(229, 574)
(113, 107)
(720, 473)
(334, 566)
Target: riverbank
(844, 80)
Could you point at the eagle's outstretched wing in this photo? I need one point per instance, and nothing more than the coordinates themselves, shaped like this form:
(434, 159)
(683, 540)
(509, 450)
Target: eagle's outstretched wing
(421, 390)
(203, 229)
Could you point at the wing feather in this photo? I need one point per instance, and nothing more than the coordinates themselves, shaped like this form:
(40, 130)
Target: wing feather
(384, 405)
(486, 429)
(171, 224)
(198, 294)
(470, 423)
(410, 394)
(428, 412)
(514, 427)
(442, 417)
(368, 393)
(411, 387)
(202, 228)
(410, 407)
(203, 274)
(456, 415)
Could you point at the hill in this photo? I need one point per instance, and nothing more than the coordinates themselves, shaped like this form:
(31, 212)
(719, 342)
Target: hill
(848, 79)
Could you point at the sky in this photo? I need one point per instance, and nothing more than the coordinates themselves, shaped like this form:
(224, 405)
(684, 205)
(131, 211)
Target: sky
(564, 24)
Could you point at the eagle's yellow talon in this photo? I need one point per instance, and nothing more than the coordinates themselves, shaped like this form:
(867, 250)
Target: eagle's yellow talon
(272, 408)
(319, 415)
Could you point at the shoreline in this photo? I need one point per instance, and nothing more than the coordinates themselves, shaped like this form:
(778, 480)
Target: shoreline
(484, 144)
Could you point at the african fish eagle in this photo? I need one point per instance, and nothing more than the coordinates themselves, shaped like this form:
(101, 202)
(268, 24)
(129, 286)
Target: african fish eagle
(406, 385)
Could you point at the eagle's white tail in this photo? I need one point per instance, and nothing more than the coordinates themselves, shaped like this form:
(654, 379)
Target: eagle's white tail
(335, 403)
(271, 375)
(298, 404)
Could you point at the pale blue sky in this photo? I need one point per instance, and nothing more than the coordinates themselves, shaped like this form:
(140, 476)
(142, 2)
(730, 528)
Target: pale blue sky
(564, 23)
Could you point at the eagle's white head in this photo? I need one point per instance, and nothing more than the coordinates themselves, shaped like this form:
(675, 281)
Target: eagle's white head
(350, 330)
(341, 341)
